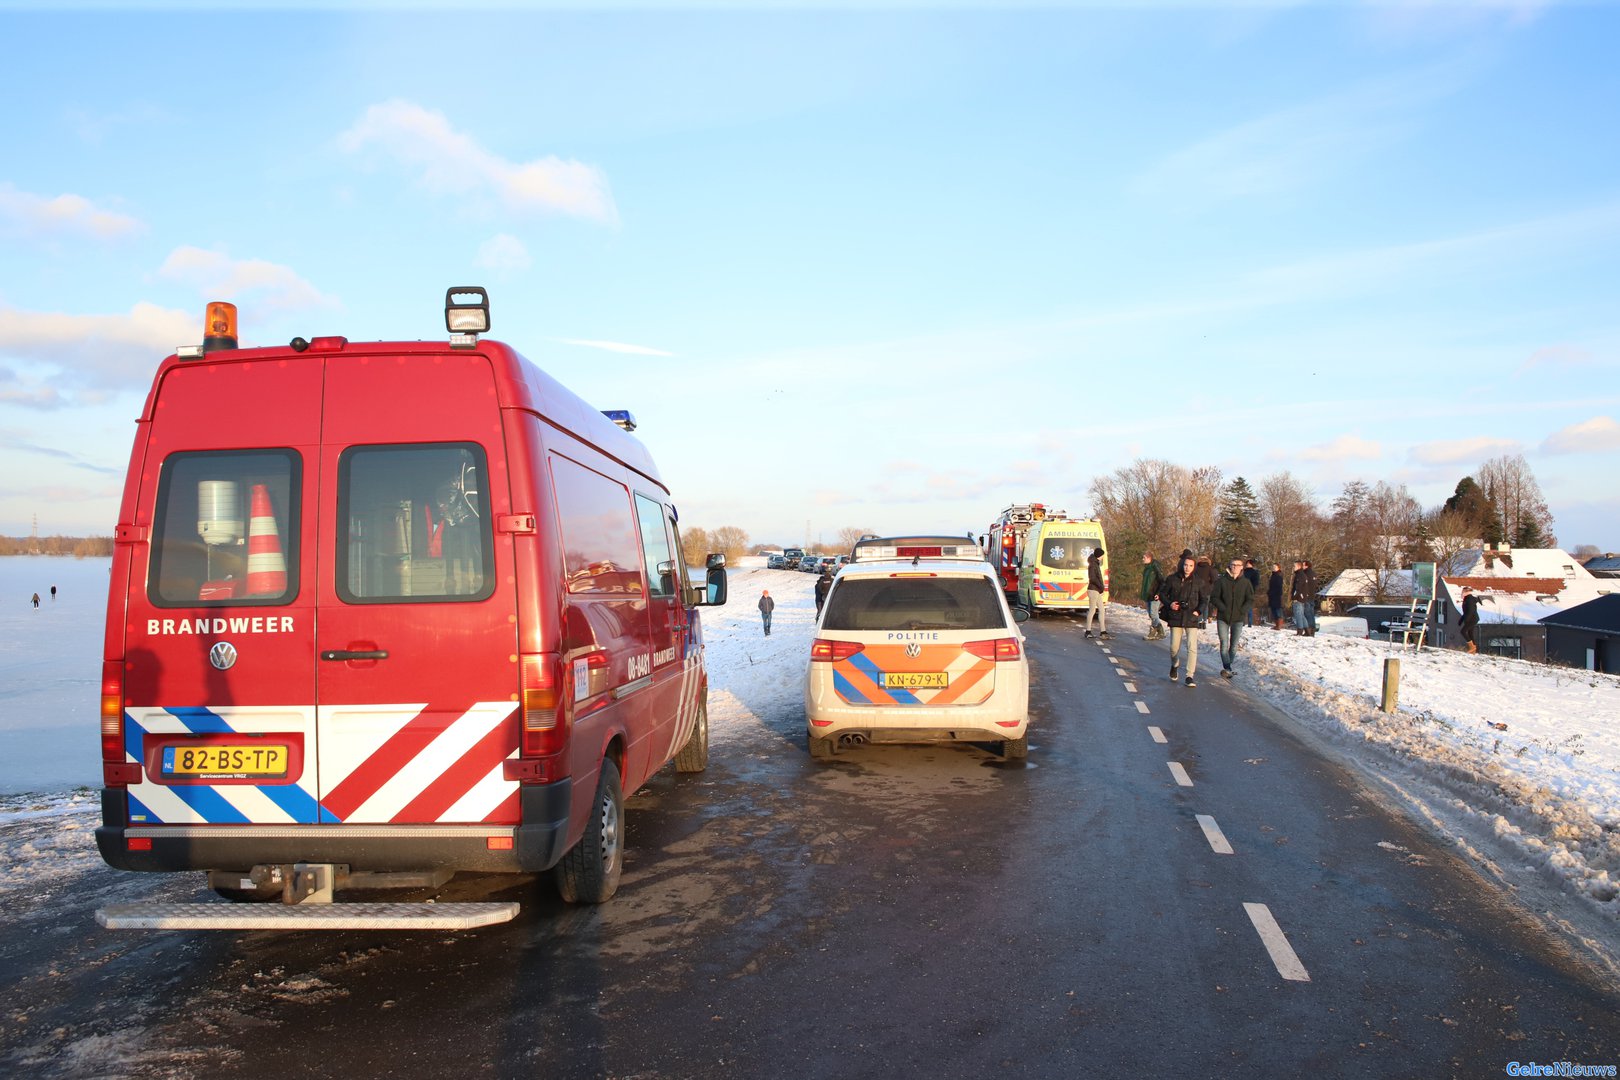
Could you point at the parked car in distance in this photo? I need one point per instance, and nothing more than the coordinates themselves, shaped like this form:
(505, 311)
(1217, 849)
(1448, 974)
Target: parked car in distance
(791, 557)
(776, 562)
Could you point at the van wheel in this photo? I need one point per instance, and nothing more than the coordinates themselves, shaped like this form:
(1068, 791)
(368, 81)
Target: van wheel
(1015, 748)
(589, 873)
(694, 756)
(820, 749)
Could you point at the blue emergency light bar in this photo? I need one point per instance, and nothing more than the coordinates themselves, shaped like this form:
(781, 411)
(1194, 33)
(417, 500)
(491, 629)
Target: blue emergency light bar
(621, 417)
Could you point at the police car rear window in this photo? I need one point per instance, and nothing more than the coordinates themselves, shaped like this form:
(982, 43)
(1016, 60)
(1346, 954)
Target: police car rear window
(914, 603)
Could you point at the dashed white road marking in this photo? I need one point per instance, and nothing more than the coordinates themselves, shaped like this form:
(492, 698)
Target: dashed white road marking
(1212, 833)
(1276, 943)
(1180, 774)
(1130, 687)
(1113, 659)
(1141, 707)
(1158, 736)
(1108, 652)
(1121, 672)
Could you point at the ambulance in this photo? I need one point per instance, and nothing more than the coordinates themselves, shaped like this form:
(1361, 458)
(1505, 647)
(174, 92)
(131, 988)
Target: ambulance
(917, 644)
(1054, 573)
(382, 612)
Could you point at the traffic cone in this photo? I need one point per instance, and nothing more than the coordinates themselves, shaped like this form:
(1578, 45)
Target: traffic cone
(266, 565)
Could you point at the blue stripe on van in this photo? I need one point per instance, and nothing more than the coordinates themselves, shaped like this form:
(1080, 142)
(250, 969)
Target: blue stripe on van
(209, 805)
(134, 739)
(299, 804)
(201, 721)
(140, 813)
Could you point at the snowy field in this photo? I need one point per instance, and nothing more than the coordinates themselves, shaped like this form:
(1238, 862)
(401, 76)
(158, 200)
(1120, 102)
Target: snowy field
(1517, 763)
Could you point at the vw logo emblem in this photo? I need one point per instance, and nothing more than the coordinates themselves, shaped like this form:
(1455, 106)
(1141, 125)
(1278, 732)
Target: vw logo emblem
(222, 655)
(913, 650)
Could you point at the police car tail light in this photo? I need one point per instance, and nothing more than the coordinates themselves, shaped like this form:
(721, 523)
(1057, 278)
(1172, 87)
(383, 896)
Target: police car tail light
(995, 649)
(826, 650)
(543, 732)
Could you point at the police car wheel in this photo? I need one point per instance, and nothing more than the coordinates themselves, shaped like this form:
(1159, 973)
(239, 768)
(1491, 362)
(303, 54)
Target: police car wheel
(1015, 748)
(820, 749)
(589, 873)
(694, 756)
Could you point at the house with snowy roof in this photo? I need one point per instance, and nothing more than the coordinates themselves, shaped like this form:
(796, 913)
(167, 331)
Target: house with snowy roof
(1586, 635)
(1604, 566)
(1355, 587)
(1518, 588)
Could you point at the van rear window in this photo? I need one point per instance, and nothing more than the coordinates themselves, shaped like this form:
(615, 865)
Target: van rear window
(914, 603)
(416, 524)
(1066, 552)
(225, 531)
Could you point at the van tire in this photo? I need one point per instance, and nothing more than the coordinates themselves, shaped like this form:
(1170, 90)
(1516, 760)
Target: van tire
(820, 749)
(1015, 748)
(694, 756)
(589, 873)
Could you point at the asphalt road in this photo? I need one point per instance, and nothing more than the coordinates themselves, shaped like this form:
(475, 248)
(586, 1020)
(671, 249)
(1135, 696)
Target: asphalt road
(899, 911)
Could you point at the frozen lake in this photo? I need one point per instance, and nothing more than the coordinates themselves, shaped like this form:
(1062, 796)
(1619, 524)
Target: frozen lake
(50, 672)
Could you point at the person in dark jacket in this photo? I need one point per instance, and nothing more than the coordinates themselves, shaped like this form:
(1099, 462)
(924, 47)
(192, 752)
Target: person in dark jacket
(823, 583)
(1151, 576)
(1310, 599)
(1184, 603)
(766, 606)
(1302, 593)
(1469, 622)
(1231, 601)
(1274, 595)
(1206, 571)
(1095, 588)
(1253, 576)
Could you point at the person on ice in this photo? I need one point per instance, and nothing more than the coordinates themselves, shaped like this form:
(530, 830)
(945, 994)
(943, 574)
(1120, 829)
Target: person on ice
(766, 606)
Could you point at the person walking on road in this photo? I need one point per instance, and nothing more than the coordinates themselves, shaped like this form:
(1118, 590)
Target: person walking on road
(1095, 587)
(36, 599)
(1185, 603)
(1151, 577)
(1470, 619)
(766, 606)
(1274, 595)
(1231, 601)
(823, 583)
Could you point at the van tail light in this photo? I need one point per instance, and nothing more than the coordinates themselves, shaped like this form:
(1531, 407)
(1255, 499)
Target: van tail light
(112, 711)
(545, 725)
(1108, 576)
(826, 650)
(1006, 648)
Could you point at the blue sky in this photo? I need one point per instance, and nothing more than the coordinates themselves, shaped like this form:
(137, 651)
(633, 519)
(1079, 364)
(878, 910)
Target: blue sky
(886, 266)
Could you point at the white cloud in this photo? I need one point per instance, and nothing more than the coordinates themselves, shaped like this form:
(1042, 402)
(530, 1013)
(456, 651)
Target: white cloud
(1345, 446)
(1590, 436)
(503, 253)
(40, 215)
(454, 163)
(617, 347)
(1462, 451)
(106, 351)
(219, 277)
(1558, 358)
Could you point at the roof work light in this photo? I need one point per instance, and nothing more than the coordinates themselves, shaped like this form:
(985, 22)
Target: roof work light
(466, 313)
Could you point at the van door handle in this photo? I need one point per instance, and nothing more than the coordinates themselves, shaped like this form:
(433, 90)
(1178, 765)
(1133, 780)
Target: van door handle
(354, 654)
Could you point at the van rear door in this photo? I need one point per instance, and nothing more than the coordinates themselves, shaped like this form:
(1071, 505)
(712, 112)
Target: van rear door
(416, 671)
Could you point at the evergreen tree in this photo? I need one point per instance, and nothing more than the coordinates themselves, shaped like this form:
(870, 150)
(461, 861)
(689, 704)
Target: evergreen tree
(1239, 518)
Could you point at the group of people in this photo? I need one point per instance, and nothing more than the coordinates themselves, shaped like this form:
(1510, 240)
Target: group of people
(1186, 599)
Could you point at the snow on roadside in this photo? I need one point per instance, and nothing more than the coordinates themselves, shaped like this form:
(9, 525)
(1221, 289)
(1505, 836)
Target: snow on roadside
(1525, 754)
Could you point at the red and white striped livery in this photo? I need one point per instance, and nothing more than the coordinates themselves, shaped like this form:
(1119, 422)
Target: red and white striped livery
(454, 630)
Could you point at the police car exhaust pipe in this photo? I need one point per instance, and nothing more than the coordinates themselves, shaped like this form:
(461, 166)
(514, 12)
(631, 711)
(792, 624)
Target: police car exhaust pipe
(851, 738)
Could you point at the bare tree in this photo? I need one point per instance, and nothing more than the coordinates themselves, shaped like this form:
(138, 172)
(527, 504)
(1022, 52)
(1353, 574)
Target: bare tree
(695, 545)
(1510, 484)
(729, 541)
(1290, 525)
(847, 537)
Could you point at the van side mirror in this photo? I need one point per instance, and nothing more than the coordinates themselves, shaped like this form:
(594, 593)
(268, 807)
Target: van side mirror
(715, 587)
(715, 561)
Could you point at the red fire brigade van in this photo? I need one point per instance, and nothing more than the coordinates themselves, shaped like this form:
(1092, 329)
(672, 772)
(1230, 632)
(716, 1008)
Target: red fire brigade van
(385, 611)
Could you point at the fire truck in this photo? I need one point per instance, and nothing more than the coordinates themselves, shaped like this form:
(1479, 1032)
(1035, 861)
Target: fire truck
(381, 612)
(1004, 543)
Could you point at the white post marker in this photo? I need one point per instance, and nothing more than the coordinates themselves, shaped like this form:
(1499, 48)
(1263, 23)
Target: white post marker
(1212, 833)
(1276, 943)
(1180, 774)
(1158, 736)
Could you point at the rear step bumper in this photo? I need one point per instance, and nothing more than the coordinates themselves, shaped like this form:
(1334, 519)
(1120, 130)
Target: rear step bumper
(222, 916)
(536, 845)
